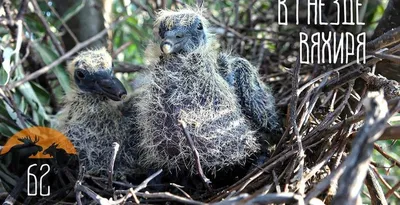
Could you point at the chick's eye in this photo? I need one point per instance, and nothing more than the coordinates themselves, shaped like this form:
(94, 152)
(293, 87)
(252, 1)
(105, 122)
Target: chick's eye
(200, 26)
(80, 74)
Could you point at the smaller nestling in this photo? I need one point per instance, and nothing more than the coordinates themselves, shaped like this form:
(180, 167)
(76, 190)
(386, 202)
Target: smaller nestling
(92, 117)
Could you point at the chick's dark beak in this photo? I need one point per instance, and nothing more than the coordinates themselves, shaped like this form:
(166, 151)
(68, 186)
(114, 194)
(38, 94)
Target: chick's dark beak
(173, 42)
(112, 88)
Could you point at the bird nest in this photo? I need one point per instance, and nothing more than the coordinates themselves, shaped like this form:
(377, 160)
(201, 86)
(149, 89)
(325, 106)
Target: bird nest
(334, 118)
(332, 123)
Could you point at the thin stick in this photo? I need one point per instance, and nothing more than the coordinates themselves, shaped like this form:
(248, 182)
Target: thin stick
(115, 146)
(390, 57)
(53, 11)
(314, 80)
(169, 196)
(206, 181)
(393, 190)
(274, 198)
(121, 48)
(53, 38)
(99, 199)
(179, 187)
(387, 156)
(389, 38)
(132, 192)
(375, 190)
(293, 117)
(384, 182)
(357, 163)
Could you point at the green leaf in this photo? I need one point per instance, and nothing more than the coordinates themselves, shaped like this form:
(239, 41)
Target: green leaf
(3, 110)
(33, 100)
(13, 115)
(72, 11)
(6, 130)
(7, 53)
(42, 94)
(35, 25)
(3, 76)
(48, 57)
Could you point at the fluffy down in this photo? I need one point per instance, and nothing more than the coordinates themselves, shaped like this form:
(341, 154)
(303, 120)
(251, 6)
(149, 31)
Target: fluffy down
(93, 122)
(188, 87)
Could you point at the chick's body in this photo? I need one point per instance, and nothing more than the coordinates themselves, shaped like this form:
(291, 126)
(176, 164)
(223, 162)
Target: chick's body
(91, 119)
(219, 96)
(189, 88)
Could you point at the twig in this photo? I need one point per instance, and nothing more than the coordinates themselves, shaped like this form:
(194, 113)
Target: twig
(384, 182)
(391, 133)
(358, 117)
(389, 38)
(292, 106)
(78, 194)
(387, 156)
(169, 196)
(53, 38)
(293, 124)
(121, 48)
(311, 103)
(290, 198)
(322, 185)
(277, 187)
(393, 190)
(390, 57)
(320, 164)
(227, 28)
(181, 190)
(392, 50)
(133, 192)
(206, 181)
(350, 183)
(115, 147)
(331, 116)
(99, 199)
(53, 11)
(375, 190)
(143, 7)
(271, 164)
(314, 80)
(10, 102)
(17, 189)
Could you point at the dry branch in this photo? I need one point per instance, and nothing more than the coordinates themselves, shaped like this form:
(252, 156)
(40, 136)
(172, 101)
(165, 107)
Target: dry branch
(375, 190)
(356, 165)
(387, 39)
(206, 180)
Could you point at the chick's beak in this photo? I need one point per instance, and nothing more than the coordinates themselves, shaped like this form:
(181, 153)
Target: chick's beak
(166, 48)
(112, 88)
(172, 42)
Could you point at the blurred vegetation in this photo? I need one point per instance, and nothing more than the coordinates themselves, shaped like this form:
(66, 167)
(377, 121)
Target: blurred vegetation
(248, 28)
(133, 34)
